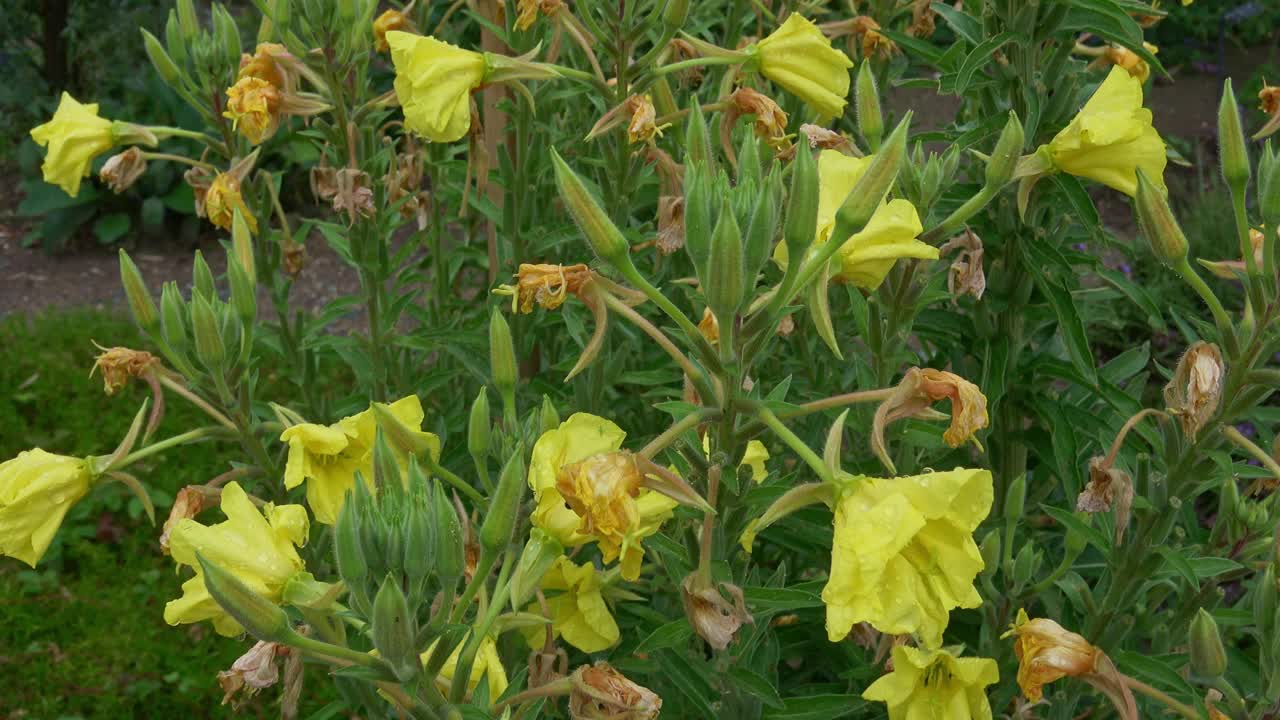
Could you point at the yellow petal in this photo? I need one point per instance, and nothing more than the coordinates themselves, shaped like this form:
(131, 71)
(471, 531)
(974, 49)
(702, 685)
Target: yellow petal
(433, 82)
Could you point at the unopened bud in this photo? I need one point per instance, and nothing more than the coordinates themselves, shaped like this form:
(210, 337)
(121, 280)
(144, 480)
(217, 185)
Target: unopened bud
(202, 278)
(1231, 143)
(725, 281)
(242, 244)
(173, 39)
(419, 544)
(1155, 216)
(867, 104)
(502, 356)
(1024, 566)
(990, 550)
(450, 545)
(605, 238)
(548, 418)
(1208, 656)
(173, 317)
(1269, 186)
(801, 222)
(243, 298)
(540, 553)
(140, 302)
(761, 231)
(258, 615)
(673, 16)
(204, 325)
(1264, 599)
(226, 32)
(404, 437)
(504, 505)
(1004, 158)
(1015, 499)
(352, 567)
(698, 204)
(697, 140)
(187, 20)
(160, 60)
(478, 428)
(872, 187)
(393, 629)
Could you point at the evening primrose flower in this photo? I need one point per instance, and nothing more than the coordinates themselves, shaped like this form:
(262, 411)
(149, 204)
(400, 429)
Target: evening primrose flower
(257, 547)
(75, 136)
(799, 58)
(253, 107)
(486, 665)
(935, 684)
(892, 233)
(585, 490)
(37, 489)
(434, 81)
(328, 457)
(1046, 652)
(903, 554)
(754, 457)
(223, 198)
(1111, 138)
(579, 612)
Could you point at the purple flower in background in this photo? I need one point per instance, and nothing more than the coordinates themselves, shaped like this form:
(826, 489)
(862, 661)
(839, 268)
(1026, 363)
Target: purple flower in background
(1082, 247)
(1247, 429)
(1124, 268)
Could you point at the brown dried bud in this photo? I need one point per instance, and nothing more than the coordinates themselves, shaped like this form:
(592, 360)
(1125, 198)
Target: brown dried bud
(294, 258)
(714, 618)
(1195, 391)
(770, 122)
(122, 170)
(353, 195)
(602, 693)
(820, 138)
(251, 672)
(864, 31)
(324, 181)
(1109, 488)
(786, 326)
(188, 503)
(919, 389)
(120, 364)
(670, 224)
(404, 179)
(965, 276)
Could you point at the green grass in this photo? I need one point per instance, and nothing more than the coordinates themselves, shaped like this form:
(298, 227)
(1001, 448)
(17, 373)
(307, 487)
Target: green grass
(83, 635)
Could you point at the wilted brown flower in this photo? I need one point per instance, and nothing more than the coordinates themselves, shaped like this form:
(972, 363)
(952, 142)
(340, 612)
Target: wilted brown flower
(1109, 488)
(1232, 269)
(1048, 652)
(643, 126)
(770, 122)
(786, 326)
(293, 257)
(602, 693)
(864, 31)
(123, 169)
(1195, 391)
(120, 364)
(709, 326)
(920, 388)
(670, 224)
(712, 616)
(682, 49)
(188, 503)
(389, 21)
(251, 672)
(404, 180)
(353, 196)
(922, 19)
(547, 286)
(965, 276)
(528, 11)
(199, 178)
(274, 64)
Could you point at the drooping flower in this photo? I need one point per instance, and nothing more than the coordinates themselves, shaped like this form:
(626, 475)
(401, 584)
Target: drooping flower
(770, 121)
(253, 107)
(37, 489)
(581, 457)
(434, 81)
(122, 170)
(799, 58)
(328, 457)
(75, 136)
(711, 614)
(919, 389)
(1046, 652)
(1111, 138)
(253, 671)
(903, 554)
(602, 693)
(120, 364)
(868, 255)
(935, 684)
(579, 612)
(223, 198)
(257, 547)
(1195, 391)
(546, 286)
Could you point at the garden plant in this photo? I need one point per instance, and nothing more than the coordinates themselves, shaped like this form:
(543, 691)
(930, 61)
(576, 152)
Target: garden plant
(687, 377)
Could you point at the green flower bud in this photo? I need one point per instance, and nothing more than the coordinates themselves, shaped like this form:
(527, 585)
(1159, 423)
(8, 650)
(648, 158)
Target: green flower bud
(1156, 218)
(187, 20)
(548, 418)
(478, 427)
(697, 140)
(1024, 566)
(867, 106)
(202, 278)
(242, 244)
(990, 549)
(386, 473)
(504, 505)
(872, 187)
(1015, 499)
(800, 225)
(540, 553)
(605, 238)
(1004, 158)
(160, 60)
(419, 538)
(208, 334)
(243, 297)
(1269, 186)
(348, 551)
(502, 356)
(761, 231)
(698, 208)
(1208, 656)
(749, 170)
(135, 288)
(725, 281)
(674, 14)
(259, 616)
(450, 546)
(1231, 143)
(394, 629)
(227, 33)
(408, 440)
(173, 325)
(173, 40)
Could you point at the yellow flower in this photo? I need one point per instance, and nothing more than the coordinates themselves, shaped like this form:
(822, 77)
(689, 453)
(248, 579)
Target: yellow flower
(867, 256)
(904, 554)
(800, 58)
(579, 612)
(487, 664)
(389, 21)
(610, 507)
(1111, 138)
(36, 490)
(547, 286)
(434, 81)
(329, 456)
(935, 684)
(222, 200)
(754, 457)
(75, 136)
(257, 547)
(1046, 652)
(253, 107)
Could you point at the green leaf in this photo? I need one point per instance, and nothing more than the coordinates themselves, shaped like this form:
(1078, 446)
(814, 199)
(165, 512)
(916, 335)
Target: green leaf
(757, 686)
(676, 632)
(1137, 294)
(691, 683)
(765, 598)
(1207, 567)
(152, 213)
(1075, 524)
(1159, 670)
(978, 57)
(110, 228)
(1179, 564)
(964, 24)
(816, 707)
(1080, 201)
(1070, 325)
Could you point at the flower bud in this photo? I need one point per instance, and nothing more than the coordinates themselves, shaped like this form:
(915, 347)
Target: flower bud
(1015, 499)
(173, 39)
(160, 60)
(187, 20)
(540, 553)
(548, 418)
(1024, 566)
(1269, 186)
(872, 187)
(605, 238)
(258, 615)
(450, 550)
(140, 302)
(673, 16)
(243, 298)
(502, 356)
(1158, 223)
(725, 281)
(242, 244)
(698, 208)
(801, 222)
(419, 529)
(173, 326)
(1004, 158)
(1264, 598)
(226, 33)
(697, 141)
(393, 629)
(204, 325)
(867, 105)
(990, 550)
(202, 278)
(504, 505)
(348, 553)
(761, 230)
(1231, 144)
(478, 429)
(1208, 656)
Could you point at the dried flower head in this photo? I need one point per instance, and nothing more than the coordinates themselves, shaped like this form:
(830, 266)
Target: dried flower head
(709, 326)
(670, 224)
(862, 31)
(712, 616)
(919, 389)
(1195, 391)
(923, 19)
(546, 286)
(253, 107)
(966, 276)
(1125, 58)
(273, 63)
(643, 126)
(602, 693)
(294, 257)
(770, 122)
(1109, 488)
(251, 672)
(120, 364)
(122, 170)
(1046, 652)
(353, 194)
